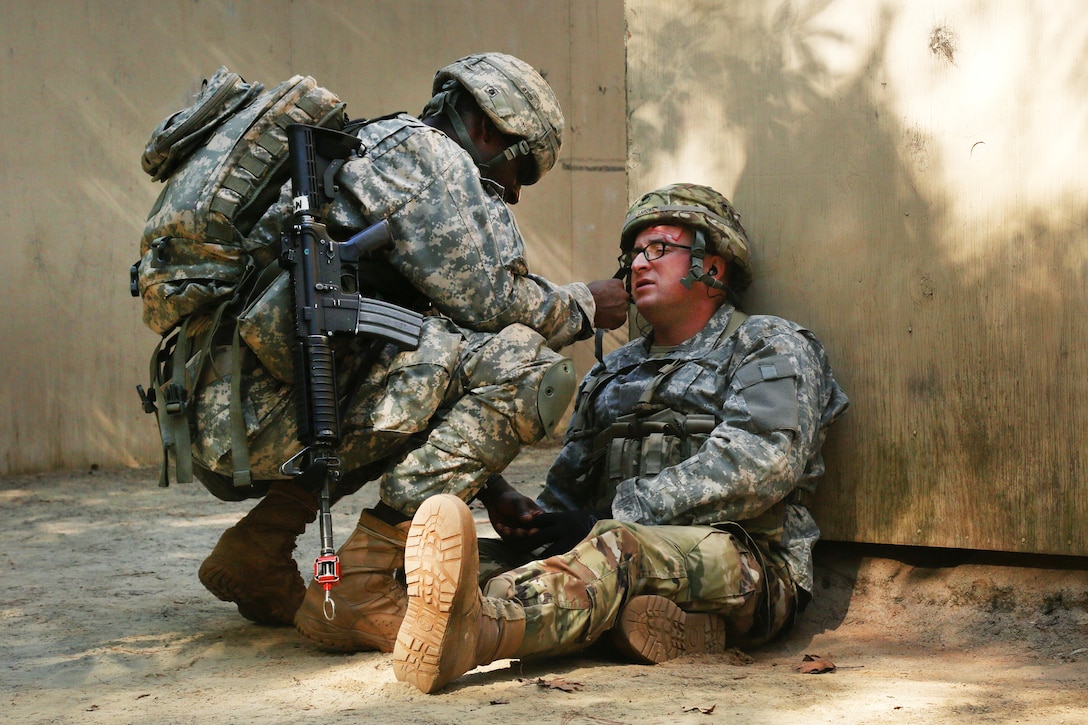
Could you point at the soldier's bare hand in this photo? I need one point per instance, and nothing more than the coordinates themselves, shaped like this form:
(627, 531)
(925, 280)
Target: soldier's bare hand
(612, 300)
(510, 512)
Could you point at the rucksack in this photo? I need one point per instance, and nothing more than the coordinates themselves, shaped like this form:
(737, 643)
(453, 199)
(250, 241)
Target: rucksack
(224, 161)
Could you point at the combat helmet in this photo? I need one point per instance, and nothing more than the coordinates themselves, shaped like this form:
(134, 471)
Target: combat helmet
(714, 221)
(514, 96)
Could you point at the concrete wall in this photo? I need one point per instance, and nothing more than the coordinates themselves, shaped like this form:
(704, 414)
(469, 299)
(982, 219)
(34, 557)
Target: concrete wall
(82, 84)
(913, 175)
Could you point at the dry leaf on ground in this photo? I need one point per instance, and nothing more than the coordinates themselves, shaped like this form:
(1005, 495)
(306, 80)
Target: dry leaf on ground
(814, 665)
(556, 684)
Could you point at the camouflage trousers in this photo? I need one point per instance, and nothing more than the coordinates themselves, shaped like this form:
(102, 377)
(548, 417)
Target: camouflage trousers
(438, 419)
(572, 599)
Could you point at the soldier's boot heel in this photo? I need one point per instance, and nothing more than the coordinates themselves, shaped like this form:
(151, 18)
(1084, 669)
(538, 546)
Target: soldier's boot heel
(652, 629)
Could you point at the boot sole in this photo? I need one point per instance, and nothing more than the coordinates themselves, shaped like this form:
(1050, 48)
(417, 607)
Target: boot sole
(652, 629)
(441, 552)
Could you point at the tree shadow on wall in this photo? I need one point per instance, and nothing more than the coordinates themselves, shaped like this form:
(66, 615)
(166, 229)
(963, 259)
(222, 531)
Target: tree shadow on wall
(966, 390)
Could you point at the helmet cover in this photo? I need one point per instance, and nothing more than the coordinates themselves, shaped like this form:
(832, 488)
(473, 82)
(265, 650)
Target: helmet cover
(701, 209)
(516, 98)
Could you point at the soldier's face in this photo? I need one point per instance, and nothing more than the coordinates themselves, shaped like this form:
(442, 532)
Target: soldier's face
(508, 174)
(662, 256)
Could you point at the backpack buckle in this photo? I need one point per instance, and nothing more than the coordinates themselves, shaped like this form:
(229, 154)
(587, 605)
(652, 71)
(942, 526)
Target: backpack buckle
(147, 398)
(175, 399)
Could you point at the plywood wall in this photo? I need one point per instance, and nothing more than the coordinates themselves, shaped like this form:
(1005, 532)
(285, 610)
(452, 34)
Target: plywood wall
(913, 175)
(82, 84)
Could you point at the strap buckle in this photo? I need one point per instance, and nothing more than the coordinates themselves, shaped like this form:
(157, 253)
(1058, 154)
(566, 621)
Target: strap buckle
(175, 399)
(147, 397)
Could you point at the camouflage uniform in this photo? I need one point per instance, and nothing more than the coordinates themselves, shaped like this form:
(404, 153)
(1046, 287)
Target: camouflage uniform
(441, 418)
(712, 520)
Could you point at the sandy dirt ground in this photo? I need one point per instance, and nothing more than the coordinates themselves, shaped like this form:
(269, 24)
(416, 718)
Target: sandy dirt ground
(103, 620)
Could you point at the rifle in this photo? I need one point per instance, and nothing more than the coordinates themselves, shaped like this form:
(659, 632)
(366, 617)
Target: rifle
(325, 278)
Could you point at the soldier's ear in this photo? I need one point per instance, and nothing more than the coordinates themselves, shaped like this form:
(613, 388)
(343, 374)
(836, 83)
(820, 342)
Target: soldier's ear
(716, 266)
(484, 128)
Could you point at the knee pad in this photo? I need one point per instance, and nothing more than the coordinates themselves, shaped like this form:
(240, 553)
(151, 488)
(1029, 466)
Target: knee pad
(554, 393)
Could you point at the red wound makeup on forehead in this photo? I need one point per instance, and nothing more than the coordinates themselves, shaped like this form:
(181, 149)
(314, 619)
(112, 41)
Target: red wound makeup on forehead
(662, 231)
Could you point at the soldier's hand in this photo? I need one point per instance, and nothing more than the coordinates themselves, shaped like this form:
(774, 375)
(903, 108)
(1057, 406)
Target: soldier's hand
(511, 513)
(561, 530)
(612, 300)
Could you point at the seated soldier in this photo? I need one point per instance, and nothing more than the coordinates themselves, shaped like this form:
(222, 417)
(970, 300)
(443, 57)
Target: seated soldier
(672, 516)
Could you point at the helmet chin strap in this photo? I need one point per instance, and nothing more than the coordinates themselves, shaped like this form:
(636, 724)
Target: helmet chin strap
(444, 103)
(696, 273)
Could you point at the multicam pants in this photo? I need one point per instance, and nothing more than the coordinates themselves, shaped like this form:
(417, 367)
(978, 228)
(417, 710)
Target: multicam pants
(572, 599)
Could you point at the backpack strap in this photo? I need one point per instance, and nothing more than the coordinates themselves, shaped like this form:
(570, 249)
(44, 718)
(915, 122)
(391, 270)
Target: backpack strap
(169, 400)
(241, 474)
(239, 446)
(177, 364)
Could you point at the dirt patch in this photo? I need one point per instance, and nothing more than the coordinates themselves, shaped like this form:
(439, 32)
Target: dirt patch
(104, 621)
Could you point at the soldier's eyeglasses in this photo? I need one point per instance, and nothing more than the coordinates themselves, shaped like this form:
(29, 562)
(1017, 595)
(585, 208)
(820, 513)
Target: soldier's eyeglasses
(652, 251)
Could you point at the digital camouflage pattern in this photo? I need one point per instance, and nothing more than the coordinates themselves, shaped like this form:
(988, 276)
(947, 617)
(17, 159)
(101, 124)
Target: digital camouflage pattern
(770, 389)
(708, 521)
(698, 207)
(223, 161)
(699, 453)
(570, 600)
(485, 386)
(516, 98)
(454, 239)
(461, 406)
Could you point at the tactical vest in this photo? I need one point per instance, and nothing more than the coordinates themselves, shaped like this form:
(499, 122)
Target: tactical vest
(652, 438)
(644, 444)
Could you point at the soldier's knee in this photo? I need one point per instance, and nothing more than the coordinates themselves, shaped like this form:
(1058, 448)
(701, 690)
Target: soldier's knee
(616, 535)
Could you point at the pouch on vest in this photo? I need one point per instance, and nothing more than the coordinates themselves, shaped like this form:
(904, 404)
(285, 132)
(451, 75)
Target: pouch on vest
(644, 444)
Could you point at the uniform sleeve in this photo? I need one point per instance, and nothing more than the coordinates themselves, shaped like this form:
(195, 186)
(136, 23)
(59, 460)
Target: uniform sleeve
(457, 242)
(768, 440)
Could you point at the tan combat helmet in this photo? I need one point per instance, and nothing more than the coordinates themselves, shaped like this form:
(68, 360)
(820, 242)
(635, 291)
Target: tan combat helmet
(514, 96)
(713, 220)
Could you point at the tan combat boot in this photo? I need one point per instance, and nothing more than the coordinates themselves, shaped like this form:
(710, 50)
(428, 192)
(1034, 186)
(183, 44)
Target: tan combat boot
(652, 629)
(252, 565)
(368, 603)
(450, 627)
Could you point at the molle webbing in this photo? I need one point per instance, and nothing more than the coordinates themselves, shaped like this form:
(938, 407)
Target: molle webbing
(644, 446)
(636, 445)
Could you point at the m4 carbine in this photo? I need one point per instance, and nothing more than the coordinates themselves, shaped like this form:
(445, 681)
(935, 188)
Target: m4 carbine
(328, 302)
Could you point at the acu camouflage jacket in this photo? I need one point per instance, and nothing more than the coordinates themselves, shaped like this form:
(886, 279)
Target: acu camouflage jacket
(770, 395)
(454, 238)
